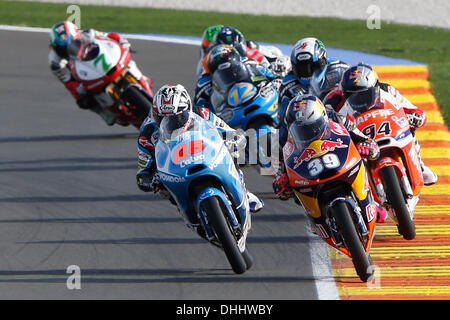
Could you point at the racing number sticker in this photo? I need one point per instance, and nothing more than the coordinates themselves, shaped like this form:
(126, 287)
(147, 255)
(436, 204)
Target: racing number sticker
(328, 161)
(384, 129)
(187, 149)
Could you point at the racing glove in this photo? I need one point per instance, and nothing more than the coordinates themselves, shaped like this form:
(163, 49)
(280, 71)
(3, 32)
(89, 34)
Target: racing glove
(416, 119)
(145, 181)
(368, 149)
(236, 142)
(281, 187)
(280, 66)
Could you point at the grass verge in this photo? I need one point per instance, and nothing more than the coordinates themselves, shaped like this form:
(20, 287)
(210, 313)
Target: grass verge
(423, 44)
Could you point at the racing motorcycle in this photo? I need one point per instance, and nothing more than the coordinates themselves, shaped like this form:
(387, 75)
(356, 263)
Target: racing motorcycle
(396, 177)
(247, 100)
(108, 72)
(329, 179)
(197, 169)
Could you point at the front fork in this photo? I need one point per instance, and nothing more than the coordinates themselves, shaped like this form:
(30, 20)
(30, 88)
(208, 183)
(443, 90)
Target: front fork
(239, 232)
(379, 186)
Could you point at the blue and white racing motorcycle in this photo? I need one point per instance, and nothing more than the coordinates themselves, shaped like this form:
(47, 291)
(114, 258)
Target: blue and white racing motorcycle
(196, 167)
(245, 98)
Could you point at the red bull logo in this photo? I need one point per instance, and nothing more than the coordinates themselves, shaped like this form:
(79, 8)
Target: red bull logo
(317, 149)
(355, 75)
(331, 145)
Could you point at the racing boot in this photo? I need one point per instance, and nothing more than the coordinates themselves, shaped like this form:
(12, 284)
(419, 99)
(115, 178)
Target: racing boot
(255, 203)
(109, 119)
(429, 177)
(382, 215)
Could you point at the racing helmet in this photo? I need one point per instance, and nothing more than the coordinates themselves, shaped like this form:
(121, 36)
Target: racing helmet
(233, 37)
(208, 37)
(61, 35)
(358, 78)
(321, 86)
(306, 120)
(172, 107)
(220, 54)
(309, 56)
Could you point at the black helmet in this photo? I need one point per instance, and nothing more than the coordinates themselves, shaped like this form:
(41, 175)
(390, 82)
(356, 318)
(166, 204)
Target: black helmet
(220, 54)
(358, 78)
(232, 37)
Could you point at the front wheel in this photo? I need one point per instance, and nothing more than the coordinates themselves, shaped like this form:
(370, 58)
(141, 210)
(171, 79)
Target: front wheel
(361, 261)
(395, 197)
(222, 229)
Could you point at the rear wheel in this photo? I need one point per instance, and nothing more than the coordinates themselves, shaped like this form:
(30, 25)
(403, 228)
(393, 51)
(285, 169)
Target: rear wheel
(361, 261)
(396, 199)
(222, 229)
(139, 104)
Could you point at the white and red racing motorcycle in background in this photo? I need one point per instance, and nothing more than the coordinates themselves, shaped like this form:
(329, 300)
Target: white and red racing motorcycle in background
(113, 78)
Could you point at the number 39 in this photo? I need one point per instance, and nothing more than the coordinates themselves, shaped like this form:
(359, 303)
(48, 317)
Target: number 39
(328, 161)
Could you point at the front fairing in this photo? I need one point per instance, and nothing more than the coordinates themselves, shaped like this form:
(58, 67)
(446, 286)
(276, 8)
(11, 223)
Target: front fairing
(322, 160)
(193, 154)
(244, 101)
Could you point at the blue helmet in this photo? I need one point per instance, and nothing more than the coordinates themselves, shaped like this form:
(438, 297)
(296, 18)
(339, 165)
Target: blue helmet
(232, 37)
(321, 85)
(61, 35)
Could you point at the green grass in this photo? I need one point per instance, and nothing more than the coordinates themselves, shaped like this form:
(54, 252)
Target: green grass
(423, 44)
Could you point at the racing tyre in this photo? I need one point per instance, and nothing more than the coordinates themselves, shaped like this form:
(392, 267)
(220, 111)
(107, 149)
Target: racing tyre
(395, 197)
(361, 261)
(248, 258)
(140, 105)
(222, 229)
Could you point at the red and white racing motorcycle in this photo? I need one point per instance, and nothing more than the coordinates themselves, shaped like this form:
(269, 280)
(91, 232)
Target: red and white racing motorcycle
(107, 71)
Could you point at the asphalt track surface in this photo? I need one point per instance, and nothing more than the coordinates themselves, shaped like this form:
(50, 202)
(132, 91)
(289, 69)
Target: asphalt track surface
(69, 197)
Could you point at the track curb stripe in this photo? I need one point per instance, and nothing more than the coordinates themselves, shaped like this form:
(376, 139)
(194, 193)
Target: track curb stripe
(420, 268)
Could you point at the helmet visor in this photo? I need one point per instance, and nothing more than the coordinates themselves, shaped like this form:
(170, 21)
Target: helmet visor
(363, 101)
(79, 48)
(229, 73)
(306, 68)
(303, 134)
(174, 125)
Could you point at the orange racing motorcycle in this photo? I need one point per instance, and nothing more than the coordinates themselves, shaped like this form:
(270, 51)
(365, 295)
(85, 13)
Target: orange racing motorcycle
(328, 176)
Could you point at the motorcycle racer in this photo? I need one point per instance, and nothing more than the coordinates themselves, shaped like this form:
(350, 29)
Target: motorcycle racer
(362, 77)
(312, 73)
(307, 114)
(220, 55)
(268, 56)
(63, 35)
(174, 101)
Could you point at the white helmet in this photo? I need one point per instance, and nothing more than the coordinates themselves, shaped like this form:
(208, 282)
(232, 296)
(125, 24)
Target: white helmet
(173, 103)
(172, 99)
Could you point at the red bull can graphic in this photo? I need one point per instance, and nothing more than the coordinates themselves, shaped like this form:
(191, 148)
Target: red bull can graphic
(317, 149)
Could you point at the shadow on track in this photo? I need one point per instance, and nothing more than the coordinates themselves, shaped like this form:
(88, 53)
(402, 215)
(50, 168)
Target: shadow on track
(146, 276)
